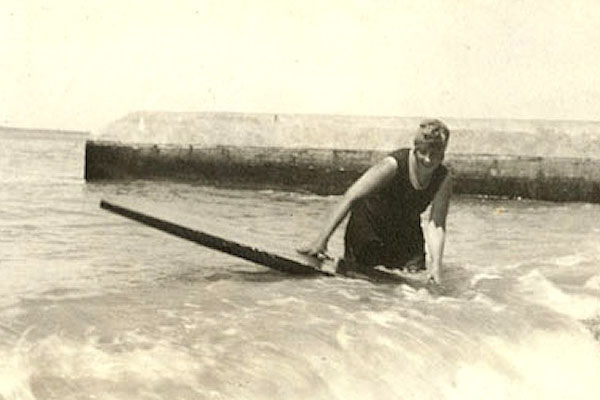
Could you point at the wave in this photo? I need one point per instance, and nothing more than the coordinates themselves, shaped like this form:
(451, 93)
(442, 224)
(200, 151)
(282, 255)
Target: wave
(542, 291)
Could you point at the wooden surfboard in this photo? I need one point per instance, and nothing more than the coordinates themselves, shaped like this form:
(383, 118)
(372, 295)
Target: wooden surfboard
(281, 259)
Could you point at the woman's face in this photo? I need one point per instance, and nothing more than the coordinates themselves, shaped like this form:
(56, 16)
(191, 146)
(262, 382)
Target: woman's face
(429, 158)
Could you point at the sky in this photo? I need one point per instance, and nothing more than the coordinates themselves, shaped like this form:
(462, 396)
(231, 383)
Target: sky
(81, 64)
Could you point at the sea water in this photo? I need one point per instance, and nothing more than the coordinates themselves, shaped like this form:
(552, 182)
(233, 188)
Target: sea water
(94, 306)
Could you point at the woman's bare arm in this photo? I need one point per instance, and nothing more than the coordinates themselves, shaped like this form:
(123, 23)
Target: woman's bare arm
(375, 177)
(436, 227)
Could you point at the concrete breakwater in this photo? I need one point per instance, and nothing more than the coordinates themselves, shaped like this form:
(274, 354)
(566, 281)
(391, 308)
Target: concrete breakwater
(549, 160)
(331, 171)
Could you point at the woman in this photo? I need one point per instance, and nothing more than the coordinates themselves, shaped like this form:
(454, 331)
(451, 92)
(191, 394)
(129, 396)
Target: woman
(385, 206)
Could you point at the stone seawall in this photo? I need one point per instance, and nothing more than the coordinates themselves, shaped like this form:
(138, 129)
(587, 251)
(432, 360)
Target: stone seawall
(331, 171)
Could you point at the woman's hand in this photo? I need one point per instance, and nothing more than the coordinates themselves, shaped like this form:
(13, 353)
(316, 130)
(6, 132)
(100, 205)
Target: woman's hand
(316, 249)
(434, 274)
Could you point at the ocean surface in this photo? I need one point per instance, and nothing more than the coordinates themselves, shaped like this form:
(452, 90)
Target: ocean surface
(93, 306)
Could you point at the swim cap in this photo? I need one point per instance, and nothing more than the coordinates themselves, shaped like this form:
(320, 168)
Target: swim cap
(433, 134)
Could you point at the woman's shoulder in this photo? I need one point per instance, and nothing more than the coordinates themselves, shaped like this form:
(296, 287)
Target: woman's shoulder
(400, 155)
(400, 152)
(444, 171)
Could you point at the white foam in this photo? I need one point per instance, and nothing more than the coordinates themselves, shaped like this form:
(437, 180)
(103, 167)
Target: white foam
(230, 332)
(284, 301)
(483, 276)
(413, 294)
(593, 282)
(569, 261)
(386, 319)
(342, 337)
(15, 372)
(347, 294)
(540, 290)
(128, 359)
(536, 367)
(489, 303)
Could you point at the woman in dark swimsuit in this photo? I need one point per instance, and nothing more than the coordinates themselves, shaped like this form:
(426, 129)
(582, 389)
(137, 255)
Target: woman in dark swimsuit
(385, 206)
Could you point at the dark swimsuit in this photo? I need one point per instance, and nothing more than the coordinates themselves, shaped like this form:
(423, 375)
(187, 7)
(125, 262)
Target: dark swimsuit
(385, 227)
